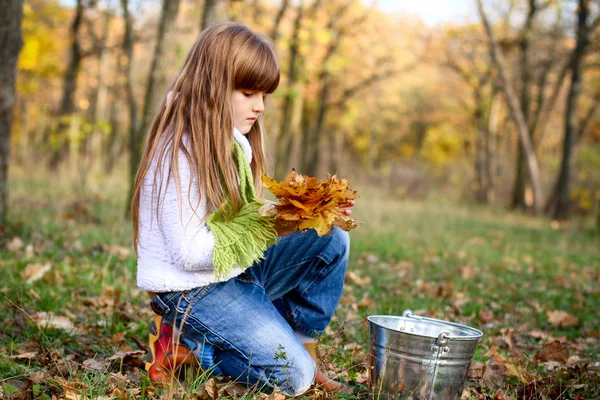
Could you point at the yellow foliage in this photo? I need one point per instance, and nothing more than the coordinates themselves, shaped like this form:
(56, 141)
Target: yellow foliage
(442, 145)
(44, 43)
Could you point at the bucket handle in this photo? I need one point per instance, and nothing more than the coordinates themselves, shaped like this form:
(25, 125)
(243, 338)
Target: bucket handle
(410, 314)
(440, 346)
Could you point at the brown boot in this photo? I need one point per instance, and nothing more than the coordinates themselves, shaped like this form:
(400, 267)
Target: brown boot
(321, 379)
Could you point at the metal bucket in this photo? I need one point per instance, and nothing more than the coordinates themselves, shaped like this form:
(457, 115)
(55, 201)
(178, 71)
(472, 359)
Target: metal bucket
(414, 357)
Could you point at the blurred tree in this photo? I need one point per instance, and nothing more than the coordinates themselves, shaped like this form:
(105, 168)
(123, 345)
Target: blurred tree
(277, 23)
(38, 77)
(98, 109)
(291, 91)
(134, 141)
(209, 13)
(467, 56)
(166, 26)
(311, 137)
(516, 111)
(526, 69)
(11, 42)
(67, 105)
(559, 202)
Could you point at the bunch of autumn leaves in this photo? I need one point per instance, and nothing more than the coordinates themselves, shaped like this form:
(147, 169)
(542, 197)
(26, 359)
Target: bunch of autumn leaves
(310, 203)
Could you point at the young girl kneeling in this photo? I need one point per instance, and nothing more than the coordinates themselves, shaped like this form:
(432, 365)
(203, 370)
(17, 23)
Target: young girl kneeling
(241, 294)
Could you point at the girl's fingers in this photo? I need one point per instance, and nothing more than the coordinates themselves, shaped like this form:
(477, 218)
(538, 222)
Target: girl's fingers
(348, 204)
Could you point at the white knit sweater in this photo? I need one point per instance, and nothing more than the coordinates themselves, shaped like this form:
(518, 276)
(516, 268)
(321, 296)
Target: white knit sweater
(174, 246)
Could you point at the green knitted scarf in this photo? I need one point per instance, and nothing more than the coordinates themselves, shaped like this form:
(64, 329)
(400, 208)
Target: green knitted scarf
(240, 239)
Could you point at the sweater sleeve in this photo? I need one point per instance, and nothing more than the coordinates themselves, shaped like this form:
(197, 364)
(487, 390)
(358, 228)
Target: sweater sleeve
(186, 235)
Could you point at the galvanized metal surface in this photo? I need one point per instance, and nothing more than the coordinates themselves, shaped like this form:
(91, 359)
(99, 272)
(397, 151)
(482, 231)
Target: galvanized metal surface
(419, 358)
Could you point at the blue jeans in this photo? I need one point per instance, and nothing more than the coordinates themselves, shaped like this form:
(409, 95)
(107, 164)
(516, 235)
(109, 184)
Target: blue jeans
(244, 327)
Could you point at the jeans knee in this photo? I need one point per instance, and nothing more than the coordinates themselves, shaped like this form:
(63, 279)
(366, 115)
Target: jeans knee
(301, 376)
(340, 239)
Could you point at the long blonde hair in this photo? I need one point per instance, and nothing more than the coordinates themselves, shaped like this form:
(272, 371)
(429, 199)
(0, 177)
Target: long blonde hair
(225, 57)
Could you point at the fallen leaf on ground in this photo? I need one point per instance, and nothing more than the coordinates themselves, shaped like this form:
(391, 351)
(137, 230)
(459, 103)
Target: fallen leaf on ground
(476, 370)
(48, 319)
(486, 316)
(122, 253)
(118, 337)
(507, 336)
(353, 346)
(493, 376)
(467, 272)
(73, 388)
(94, 365)
(562, 319)
(538, 334)
(515, 371)
(34, 272)
(211, 388)
(500, 395)
(14, 245)
(37, 377)
(24, 356)
(127, 356)
(353, 278)
(554, 351)
(272, 396)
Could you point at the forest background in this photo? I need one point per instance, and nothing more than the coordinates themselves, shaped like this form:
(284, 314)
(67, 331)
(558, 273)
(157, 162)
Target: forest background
(377, 98)
(432, 123)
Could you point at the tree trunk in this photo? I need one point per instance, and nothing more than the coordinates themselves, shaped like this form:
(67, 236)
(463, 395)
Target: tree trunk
(490, 148)
(67, 104)
(285, 138)
(480, 148)
(284, 6)
(516, 114)
(560, 210)
(314, 140)
(134, 142)
(11, 43)
(313, 156)
(110, 148)
(209, 12)
(98, 103)
(153, 95)
(520, 183)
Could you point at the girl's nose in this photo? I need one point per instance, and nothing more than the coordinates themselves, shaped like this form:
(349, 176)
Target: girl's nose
(259, 104)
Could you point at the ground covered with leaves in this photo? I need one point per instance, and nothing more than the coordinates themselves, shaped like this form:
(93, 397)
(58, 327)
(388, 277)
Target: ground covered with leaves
(74, 326)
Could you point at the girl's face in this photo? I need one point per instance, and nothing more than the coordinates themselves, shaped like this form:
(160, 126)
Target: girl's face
(247, 105)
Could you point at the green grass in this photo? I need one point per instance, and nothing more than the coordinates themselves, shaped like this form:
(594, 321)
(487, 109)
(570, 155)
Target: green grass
(497, 271)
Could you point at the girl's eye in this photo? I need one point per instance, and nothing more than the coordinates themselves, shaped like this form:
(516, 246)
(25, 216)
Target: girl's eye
(247, 94)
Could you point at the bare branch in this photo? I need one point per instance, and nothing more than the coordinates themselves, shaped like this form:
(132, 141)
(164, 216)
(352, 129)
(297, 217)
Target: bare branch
(586, 124)
(275, 31)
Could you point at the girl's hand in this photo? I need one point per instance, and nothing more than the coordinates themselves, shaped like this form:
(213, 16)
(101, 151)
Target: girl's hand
(284, 228)
(345, 208)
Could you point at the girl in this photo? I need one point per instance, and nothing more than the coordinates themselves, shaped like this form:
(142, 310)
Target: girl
(227, 297)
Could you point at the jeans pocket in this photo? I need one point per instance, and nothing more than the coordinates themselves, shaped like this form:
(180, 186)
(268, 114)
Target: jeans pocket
(160, 303)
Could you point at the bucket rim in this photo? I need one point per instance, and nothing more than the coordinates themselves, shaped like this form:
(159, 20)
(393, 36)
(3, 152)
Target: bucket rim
(477, 334)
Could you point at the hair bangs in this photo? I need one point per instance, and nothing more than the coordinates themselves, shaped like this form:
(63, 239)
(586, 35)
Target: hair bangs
(258, 69)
